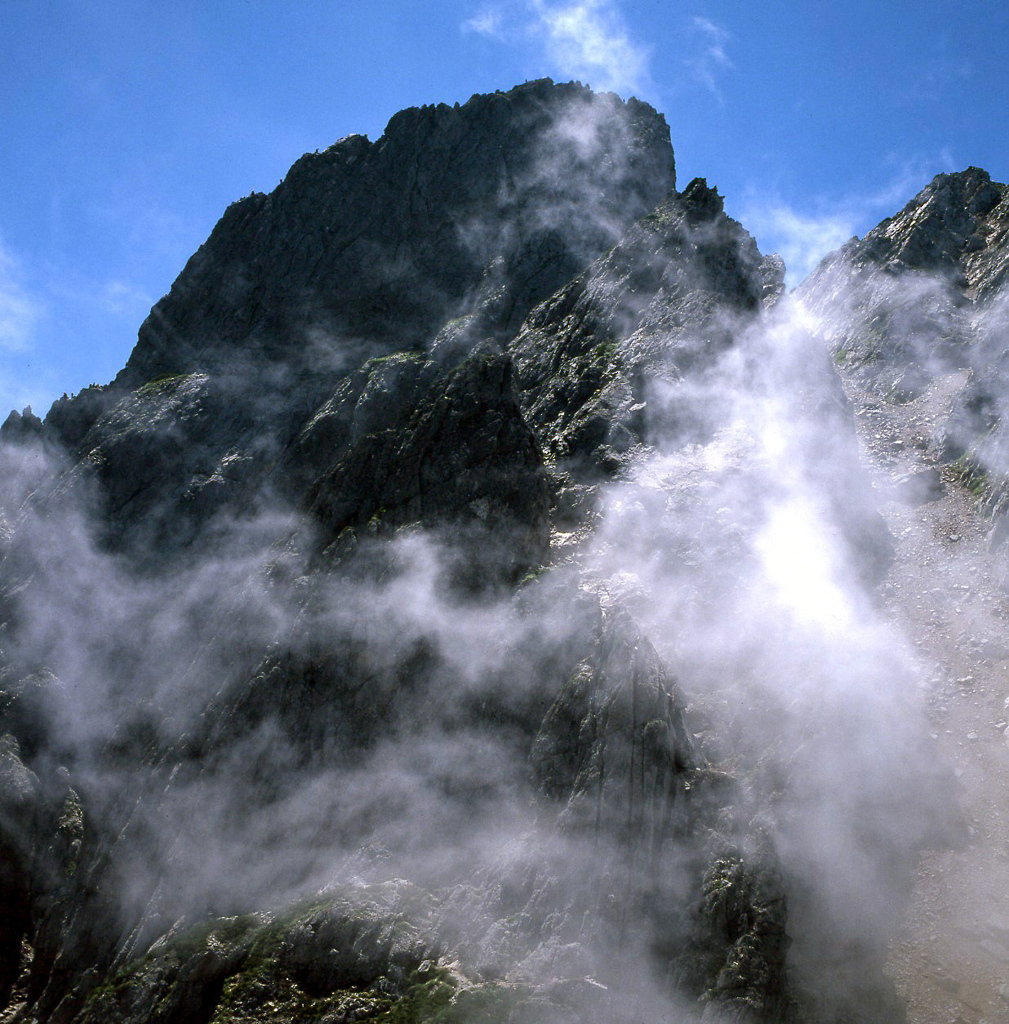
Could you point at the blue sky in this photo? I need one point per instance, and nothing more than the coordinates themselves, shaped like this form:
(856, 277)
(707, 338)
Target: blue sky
(130, 126)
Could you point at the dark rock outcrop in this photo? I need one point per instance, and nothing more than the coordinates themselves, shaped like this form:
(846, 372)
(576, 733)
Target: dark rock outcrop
(659, 304)
(906, 302)
(364, 250)
(407, 442)
(380, 243)
(19, 426)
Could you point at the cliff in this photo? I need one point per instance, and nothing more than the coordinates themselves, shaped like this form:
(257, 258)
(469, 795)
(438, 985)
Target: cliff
(460, 606)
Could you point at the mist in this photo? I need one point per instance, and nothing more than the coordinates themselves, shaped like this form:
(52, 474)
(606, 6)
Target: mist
(697, 687)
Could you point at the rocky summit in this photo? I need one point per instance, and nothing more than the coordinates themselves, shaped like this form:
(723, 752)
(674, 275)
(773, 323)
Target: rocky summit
(486, 596)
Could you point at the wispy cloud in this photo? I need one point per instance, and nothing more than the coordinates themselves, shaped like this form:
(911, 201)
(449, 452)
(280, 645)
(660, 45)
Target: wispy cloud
(908, 175)
(589, 39)
(19, 310)
(584, 39)
(711, 60)
(489, 22)
(804, 236)
(120, 298)
(801, 239)
(935, 78)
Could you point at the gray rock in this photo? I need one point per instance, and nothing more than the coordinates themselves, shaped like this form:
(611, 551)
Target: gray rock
(922, 296)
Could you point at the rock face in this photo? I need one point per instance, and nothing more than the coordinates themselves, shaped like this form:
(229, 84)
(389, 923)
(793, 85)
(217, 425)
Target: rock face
(901, 301)
(661, 301)
(343, 629)
(922, 298)
(381, 243)
(364, 250)
(418, 443)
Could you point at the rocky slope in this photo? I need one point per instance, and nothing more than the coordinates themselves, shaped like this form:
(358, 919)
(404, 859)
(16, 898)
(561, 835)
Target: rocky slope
(363, 251)
(919, 343)
(463, 606)
(923, 296)
(943, 589)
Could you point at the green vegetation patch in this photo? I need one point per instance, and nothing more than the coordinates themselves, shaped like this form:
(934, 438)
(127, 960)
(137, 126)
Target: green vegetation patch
(161, 384)
(269, 994)
(264, 993)
(605, 352)
(972, 476)
(254, 968)
(394, 358)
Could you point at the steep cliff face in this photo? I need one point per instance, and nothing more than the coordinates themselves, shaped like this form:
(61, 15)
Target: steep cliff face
(363, 250)
(380, 243)
(956, 225)
(661, 301)
(448, 613)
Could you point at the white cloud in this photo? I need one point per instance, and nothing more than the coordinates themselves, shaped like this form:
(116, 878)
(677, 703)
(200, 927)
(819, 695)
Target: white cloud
(19, 311)
(804, 236)
(584, 39)
(589, 40)
(802, 240)
(487, 22)
(711, 60)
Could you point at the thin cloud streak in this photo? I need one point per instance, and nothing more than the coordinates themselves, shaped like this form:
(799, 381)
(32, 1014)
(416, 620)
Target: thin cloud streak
(120, 298)
(19, 311)
(803, 237)
(488, 22)
(712, 60)
(584, 39)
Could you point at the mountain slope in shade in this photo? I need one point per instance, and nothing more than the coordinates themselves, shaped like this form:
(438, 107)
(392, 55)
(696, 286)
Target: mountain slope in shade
(462, 605)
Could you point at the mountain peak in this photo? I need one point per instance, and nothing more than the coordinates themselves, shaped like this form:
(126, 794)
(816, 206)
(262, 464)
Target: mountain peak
(384, 241)
(463, 602)
(944, 227)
